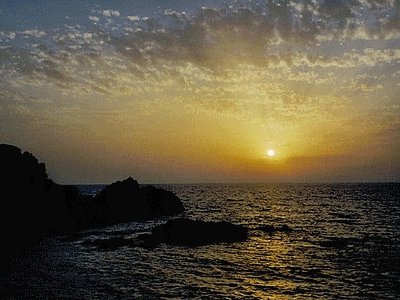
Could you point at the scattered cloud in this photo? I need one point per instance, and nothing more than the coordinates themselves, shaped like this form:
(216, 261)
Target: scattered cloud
(318, 72)
(269, 34)
(94, 19)
(133, 18)
(109, 13)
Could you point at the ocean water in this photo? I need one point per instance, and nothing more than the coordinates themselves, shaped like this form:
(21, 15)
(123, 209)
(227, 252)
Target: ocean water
(345, 244)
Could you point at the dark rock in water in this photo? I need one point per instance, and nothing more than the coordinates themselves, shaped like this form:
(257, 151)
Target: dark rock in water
(267, 228)
(33, 206)
(335, 243)
(148, 240)
(119, 193)
(161, 202)
(127, 202)
(270, 228)
(284, 228)
(187, 232)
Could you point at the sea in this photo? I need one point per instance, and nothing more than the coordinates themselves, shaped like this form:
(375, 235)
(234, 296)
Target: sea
(344, 244)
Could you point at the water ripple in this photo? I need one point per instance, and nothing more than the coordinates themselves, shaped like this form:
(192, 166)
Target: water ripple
(344, 245)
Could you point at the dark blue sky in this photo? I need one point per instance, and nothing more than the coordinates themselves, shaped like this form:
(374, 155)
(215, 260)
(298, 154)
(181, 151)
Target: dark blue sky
(48, 14)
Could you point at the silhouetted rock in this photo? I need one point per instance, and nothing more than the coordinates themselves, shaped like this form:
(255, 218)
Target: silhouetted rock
(32, 205)
(335, 243)
(118, 199)
(161, 202)
(187, 232)
(148, 240)
(270, 228)
(127, 202)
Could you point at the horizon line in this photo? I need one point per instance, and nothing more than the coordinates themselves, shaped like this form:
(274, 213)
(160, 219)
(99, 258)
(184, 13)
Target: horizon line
(243, 182)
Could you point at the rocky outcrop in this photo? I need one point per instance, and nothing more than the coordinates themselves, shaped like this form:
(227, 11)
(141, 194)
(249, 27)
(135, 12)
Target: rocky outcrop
(160, 202)
(33, 206)
(186, 232)
(127, 202)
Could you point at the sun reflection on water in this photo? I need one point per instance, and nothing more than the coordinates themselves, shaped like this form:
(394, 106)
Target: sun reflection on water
(339, 247)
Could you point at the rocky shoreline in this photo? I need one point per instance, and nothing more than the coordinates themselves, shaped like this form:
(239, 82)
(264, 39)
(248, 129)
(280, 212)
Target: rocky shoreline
(34, 206)
(37, 207)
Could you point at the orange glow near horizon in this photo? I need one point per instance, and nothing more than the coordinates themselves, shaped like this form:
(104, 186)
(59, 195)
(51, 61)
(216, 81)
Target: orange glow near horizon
(208, 102)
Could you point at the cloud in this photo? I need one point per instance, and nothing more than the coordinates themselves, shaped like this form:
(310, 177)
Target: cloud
(175, 14)
(269, 35)
(133, 18)
(109, 13)
(314, 78)
(338, 10)
(94, 19)
(35, 33)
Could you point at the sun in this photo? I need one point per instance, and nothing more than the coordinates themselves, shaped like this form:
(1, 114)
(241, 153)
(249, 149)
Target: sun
(271, 152)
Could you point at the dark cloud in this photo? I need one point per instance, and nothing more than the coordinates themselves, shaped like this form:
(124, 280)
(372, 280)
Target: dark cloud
(242, 32)
(338, 10)
(16, 59)
(29, 63)
(209, 37)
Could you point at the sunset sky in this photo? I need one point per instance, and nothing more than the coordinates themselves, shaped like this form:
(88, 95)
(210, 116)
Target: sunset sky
(199, 91)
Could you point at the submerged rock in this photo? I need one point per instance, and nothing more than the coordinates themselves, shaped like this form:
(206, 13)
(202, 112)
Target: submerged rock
(186, 232)
(270, 228)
